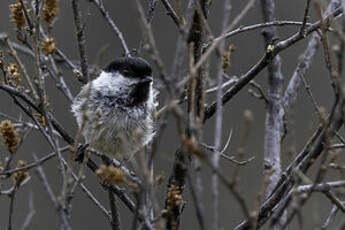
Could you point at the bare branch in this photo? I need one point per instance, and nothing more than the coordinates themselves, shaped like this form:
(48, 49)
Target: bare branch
(80, 32)
(305, 18)
(331, 215)
(104, 12)
(263, 62)
(31, 213)
(171, 12)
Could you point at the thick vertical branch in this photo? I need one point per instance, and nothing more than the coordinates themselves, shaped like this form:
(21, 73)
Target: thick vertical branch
(195, 113)
(196, 87)
(219, 120)
(181, 44)
(177, 181)
(273, 127)
(195, 91)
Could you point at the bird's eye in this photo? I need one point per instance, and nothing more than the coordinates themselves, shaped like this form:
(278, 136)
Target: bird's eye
(125, 72)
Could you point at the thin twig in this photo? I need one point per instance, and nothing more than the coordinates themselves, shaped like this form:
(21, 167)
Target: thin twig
(33, 164)
(305, 18)
(105, 13)
(261, 94)
(197, 203)
(303, 65)
(61, 84)
(335, 200)
(171, 12)
(229, 82)
(28, 20)
(46, 185)
(10, 212)
(323, 187)
(22, 67)
(31, 213)
(155, 55)
(149, 17)
(90, 195)
(331, 215)
(80, 32)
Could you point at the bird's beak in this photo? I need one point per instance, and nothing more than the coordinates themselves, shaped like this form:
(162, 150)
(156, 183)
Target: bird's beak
(147, 79)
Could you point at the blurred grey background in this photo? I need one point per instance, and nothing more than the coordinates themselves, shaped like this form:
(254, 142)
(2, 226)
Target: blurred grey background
(249, 48)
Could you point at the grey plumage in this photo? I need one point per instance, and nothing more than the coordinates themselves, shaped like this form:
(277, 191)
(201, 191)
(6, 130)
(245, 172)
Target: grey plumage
(116, 112)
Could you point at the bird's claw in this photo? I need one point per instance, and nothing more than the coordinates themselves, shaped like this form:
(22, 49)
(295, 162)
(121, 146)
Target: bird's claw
(80, 154)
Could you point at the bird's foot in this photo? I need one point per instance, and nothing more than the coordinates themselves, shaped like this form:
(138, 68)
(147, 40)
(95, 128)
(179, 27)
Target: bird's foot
(80, 154)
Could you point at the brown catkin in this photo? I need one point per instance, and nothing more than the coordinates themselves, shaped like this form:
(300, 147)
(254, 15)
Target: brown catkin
(40, 118)
(174, 197)
(226, 57)
(9, 135)
(111, 174)
(14, 74)
(21, 175)
(226, 60)
(17, 15)
(50, 10)
(48, 46)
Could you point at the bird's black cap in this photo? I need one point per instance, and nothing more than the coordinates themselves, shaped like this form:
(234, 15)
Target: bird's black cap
(130, 67)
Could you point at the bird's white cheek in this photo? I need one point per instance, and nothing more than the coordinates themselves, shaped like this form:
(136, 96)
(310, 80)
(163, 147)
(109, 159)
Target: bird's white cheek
(111, 83)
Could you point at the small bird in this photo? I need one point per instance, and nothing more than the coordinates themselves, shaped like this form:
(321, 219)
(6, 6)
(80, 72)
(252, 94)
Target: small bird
(115, 112)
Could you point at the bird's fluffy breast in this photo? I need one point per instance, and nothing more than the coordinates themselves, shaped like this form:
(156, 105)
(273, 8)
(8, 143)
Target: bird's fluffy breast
(111, 128)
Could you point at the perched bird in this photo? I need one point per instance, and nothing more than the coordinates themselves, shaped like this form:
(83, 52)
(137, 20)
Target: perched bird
(115, 111)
